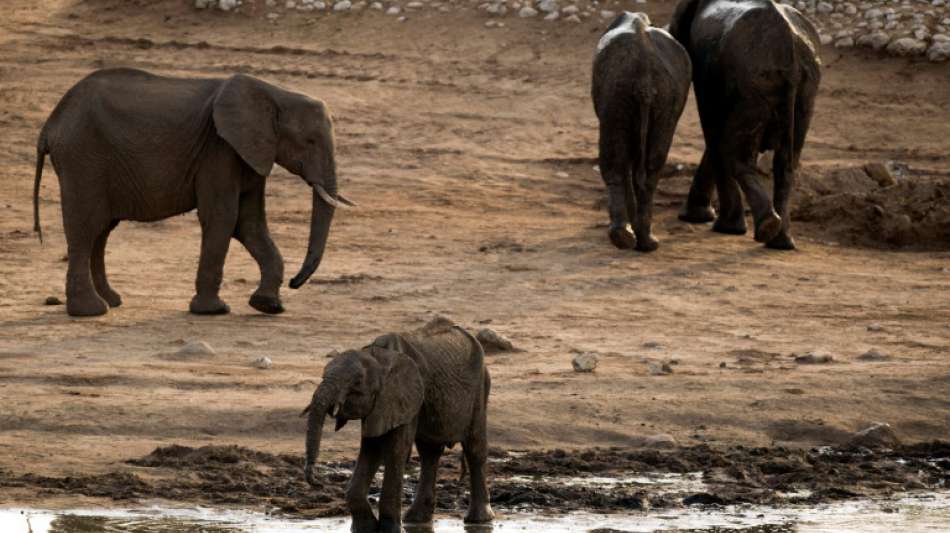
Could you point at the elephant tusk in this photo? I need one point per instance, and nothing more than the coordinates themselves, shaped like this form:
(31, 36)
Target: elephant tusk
(339, 201)
(344, 200)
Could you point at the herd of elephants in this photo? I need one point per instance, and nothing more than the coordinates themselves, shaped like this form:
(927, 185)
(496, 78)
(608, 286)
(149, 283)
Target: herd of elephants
(129, 145)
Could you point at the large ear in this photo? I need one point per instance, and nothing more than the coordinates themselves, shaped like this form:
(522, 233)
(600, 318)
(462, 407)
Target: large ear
(400, 395)
(245, 116)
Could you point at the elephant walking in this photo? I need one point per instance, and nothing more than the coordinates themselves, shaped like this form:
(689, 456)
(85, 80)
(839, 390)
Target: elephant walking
(429, 386)
(129, 145)
(756, 70)
(640, 86)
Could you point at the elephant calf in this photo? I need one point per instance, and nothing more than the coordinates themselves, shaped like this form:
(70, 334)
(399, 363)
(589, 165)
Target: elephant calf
(640, 85)
(429, 386)
(129, 145)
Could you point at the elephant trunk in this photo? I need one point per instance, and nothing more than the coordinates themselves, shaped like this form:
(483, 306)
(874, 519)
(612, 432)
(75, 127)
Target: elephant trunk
(320, 218)
(323, 400)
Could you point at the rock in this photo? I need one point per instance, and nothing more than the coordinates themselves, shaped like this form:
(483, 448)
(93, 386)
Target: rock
(52, 300)
(844, 42)
(814, 358)
(585, 362)
(607, 14)
(906, 46)
(573, 18)
(552, 16)
(527, 12)
(825, 39)
(393, 10)
(659, 369)
(873, 14)
(939, 51)
(548, 6)
(204, 4)
(263, 362)
(342, 5)
(492, 341)
(196, 349)
(875, 327)
(570, 10)
(825, 7)
(879, 435)
(874, 356)
(415, 5)
(227, 5)
(876, 40)
(659, 441)
(653, 345)
(880, 173)
(378, 6)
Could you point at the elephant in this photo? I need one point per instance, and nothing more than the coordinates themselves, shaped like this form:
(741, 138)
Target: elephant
(756, 71)
(641, 79)
(428, 386)
(130, 145)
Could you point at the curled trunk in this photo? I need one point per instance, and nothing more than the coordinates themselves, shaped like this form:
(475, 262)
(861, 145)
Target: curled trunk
(320, 218)
(319, 406)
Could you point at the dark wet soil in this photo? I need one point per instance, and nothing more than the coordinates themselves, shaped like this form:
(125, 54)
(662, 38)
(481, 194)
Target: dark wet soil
(537, 481)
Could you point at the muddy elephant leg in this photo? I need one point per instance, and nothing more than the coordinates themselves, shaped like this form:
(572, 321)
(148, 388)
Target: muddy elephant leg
(476, 455)
(370, 457)
(731, 219)
(253, 234)
(423, 506)
(218, 213)
(645, 187)
(98, 265)
(83, 222)
(698, 206)
(615, 170)
(390, 502)
(738, 149)
(784, 176)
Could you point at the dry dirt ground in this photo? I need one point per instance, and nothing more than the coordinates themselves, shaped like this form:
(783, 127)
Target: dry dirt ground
(470, 151)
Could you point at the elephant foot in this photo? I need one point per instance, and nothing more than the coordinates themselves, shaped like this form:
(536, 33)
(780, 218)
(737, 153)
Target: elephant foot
(730, 227)
(390, 525)
(768, 228)
(782, 241)
(479, 514)
(622, 237)
(111, 297)
(266, 304)
(697, 214)
(418, 514)
(208, 305)
(365, 525)
(89, 305)
(647, 243)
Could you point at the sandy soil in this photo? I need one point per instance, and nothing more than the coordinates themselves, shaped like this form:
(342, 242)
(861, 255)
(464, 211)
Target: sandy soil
(471, 153)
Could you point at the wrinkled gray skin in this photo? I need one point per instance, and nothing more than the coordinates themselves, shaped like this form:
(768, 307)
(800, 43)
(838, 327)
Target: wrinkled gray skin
(640, 86)
(429, 387)
(756, 70)
(128, 145)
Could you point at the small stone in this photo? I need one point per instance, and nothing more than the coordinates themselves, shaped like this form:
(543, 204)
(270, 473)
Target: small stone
(876, 40)
(880, 173)
(825, 7)
(879, 435)
(906, 46)
(874, 326)
(939, 51)
(844, 42)
(492, 341)
(52, 300)
(825, 39)
(573, 18)
(551, 17)
(378, 6)
(585, 362)
(548, 6)
(607, 14)
(393, 10)
(814, 358)
(659, 369)
(874, 355)
(227, 5)
(659, 441)
(342, 5)
(651, 344)
(527, 12)
(415, 5)
(263, 362)
(196, 348)
(570, 10)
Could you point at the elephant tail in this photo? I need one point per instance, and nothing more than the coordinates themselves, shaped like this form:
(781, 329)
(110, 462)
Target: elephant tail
(42, 148)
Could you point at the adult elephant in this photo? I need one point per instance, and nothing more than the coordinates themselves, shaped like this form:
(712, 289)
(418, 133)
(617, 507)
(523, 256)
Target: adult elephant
(429, 386)
(129, 145)
(756, 70)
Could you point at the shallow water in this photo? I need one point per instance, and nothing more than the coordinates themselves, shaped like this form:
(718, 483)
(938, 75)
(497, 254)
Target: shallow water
(916, 514)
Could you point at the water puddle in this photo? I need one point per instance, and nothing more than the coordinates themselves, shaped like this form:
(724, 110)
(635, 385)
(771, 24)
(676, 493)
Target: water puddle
(918, 514)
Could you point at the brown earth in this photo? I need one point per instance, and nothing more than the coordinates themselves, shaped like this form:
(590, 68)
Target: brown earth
(471, 152)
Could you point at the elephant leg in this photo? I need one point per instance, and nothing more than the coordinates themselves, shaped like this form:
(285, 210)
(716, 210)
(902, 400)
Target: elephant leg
(390, 502)
(423, 506)
(784, 179)
(644, 187)
(252, 232)
(218, 214)
(370, 457)
(731, 219)
(476, 455)
(615, 169)
(698, 206)
(82, 229)
(739, 145)
(98, 265)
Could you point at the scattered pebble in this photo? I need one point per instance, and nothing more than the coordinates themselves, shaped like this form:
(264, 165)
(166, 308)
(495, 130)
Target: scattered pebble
(874, 326)
(874, 356)
(659, 369)
(52, 300)
(814, 358)
(659, 441)
(585, 362)
(878, 435)
(263, 362)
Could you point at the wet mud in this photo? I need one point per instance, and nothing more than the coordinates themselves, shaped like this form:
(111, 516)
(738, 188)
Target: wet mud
(603, 480)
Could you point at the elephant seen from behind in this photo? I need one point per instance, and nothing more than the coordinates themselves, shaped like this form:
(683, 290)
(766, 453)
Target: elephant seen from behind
(429, 386)
(639, 89)
(130, 145)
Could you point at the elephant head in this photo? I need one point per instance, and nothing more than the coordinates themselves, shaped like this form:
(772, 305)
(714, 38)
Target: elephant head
(377, 385)
(267, 125)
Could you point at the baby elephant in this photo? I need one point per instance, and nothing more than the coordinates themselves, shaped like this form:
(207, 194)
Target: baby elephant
(429, 386)
(640, 85)
(129, 145)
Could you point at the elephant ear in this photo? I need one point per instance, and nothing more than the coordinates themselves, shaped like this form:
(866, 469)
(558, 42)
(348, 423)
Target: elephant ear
(400, 395)
(245, 116)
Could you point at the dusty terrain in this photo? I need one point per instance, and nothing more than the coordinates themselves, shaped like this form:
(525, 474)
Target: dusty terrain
(470, 151)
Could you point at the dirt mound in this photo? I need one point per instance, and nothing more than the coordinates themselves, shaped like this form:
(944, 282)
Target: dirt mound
(554, 481)
(911, 210)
